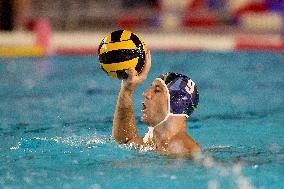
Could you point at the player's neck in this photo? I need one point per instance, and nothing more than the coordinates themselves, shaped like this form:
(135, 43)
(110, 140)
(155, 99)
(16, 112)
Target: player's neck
(171, 127)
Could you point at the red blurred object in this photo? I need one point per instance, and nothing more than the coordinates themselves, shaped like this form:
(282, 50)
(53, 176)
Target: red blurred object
(129, 21)
(42, 31)
(197, 16)
(207, 21)
(196, 4)
(250, 43)
(30, 25)
(252, 8)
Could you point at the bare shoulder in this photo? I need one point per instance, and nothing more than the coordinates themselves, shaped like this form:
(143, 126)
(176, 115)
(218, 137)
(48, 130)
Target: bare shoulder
(183, 143)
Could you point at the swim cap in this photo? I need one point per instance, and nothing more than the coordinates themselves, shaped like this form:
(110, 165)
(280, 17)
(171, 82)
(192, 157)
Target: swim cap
(183, 95)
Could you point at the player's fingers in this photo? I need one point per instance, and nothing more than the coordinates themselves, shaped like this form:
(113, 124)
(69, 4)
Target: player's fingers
(130, 74)
(147, 66)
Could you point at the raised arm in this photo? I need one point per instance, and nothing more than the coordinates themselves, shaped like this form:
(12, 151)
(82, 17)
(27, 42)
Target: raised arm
(124, 126)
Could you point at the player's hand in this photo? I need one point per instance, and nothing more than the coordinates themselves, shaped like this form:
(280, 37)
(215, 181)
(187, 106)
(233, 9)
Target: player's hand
(132, 80)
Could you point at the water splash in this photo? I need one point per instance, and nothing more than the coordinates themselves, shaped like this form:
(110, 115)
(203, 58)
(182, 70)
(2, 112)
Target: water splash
(141, 149)
(213, 184)
(77, 141)
(37, 143)
(16, 147)
(223, 170)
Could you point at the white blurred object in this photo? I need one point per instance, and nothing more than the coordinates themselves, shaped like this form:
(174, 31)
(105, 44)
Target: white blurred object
(262, 21)
(213, 184)
(244, 183)
(172, 11)
(170, 21)
(175, 4)
(235, 5)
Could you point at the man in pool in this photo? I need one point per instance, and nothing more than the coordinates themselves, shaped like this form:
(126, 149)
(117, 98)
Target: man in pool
(167, 103)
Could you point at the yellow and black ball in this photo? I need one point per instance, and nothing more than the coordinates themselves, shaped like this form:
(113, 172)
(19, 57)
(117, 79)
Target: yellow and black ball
(121, 50)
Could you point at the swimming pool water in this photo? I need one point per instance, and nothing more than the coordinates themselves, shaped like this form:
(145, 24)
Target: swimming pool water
(56, 117)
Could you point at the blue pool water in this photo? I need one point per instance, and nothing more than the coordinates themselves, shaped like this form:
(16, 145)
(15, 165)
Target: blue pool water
(56, 117)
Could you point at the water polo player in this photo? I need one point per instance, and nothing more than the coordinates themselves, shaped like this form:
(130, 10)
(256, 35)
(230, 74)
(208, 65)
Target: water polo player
(170, 99)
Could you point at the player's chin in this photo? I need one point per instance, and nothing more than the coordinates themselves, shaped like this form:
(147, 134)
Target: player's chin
(144, 119)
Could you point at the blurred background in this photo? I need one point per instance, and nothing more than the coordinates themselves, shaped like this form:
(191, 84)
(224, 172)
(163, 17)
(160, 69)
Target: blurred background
(264, 19)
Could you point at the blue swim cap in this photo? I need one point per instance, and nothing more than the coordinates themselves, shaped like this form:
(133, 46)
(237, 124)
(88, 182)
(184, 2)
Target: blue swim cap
(183, 95)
